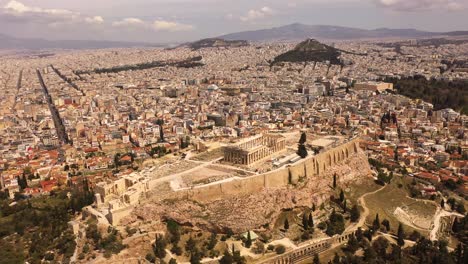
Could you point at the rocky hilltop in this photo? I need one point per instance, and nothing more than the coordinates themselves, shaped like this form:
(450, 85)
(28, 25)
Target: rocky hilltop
(217, 43)
(247, 212)
(311, 50)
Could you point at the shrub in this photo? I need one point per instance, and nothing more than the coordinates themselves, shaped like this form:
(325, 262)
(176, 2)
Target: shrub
(280, 249)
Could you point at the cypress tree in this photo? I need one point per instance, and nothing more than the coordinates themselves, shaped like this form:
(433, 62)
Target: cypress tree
(311, 221)
(342, 197)
(248, 243)
(334, 181)
(376, 224)
(355, 214)
(401, 240)
(305, 224)
(286, 224)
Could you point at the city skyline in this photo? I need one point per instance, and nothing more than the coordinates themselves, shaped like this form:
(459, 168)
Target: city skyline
(165, 21)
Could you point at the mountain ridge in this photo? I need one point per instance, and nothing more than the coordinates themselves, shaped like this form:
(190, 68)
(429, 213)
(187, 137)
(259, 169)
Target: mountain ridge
(298, 31)
(13, 43)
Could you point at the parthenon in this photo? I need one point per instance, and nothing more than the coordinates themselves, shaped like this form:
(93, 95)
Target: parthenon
(254, 149)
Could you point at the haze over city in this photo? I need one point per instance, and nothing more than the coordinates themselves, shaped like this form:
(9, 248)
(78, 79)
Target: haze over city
(164, 21)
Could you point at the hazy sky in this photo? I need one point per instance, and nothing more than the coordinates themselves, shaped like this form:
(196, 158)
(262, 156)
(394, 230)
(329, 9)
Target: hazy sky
(178, 20)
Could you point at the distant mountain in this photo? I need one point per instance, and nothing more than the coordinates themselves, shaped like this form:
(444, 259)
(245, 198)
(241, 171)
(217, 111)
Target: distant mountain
(8, 42)
(216, 43)
(310, 50)
(300, 31)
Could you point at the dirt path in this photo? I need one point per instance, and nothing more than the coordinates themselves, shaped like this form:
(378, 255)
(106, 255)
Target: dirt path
(365, 214)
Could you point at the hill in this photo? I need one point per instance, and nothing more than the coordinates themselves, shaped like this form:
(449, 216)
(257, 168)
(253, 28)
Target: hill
(325, 32)
(8, 42)
(310, 50)
(216, 43)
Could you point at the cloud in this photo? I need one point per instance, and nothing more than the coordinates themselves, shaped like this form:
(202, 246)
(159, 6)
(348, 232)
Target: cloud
(129, 22)
(17, 12)
(157, 25)
(261, 13)
(422, 5)
(162, 25)
(94, 20)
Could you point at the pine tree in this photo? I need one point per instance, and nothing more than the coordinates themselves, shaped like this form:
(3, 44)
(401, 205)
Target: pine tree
(344, 206)
(334, 181)
(401, 234)
(286, 224)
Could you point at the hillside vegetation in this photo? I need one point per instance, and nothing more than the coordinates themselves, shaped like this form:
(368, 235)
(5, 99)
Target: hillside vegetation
(442, 94)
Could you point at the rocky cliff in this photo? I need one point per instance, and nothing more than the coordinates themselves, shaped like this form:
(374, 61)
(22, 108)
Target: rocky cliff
(251, 211)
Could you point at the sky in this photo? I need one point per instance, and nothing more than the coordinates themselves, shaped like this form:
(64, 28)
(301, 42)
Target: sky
(168, 21)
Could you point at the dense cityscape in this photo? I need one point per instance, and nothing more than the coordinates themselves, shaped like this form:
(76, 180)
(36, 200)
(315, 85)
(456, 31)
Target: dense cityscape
(221, 151)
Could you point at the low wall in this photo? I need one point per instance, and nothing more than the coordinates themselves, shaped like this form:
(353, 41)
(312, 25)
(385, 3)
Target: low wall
(310, 167)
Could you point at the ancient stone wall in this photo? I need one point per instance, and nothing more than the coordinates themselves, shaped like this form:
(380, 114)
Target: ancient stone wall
(312, 166)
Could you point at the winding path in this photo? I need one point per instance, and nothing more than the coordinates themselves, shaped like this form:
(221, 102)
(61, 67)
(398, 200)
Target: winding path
(365, 214)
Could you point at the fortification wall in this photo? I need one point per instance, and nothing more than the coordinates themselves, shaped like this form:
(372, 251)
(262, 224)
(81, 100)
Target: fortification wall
(312, 166)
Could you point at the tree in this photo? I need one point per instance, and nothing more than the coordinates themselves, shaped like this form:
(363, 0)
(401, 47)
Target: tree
(401, 234)
(442, 203)
(305, 223)
(160, 122)
(386, 223)
(190, 245)
(301, 150)
(396, 153)
(286, 224)
(316, 259)
(355, 213)
(195, 257)
(344, 206)
(226, 258)
(160, 247)
(259, 247)
(376, 223)
(313, 207)
(353, 244)
(303, 138)
(310, 222)
(334, 180)
(342, 197)
(280, 249)
(336, 259)
(248, 242)
(359, 234)
(172, 261)
(335, 224)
